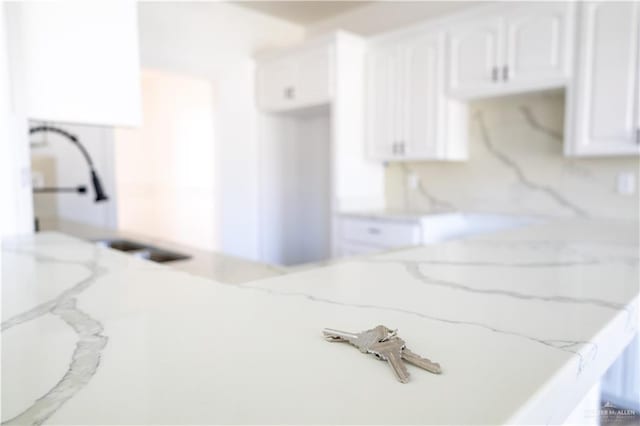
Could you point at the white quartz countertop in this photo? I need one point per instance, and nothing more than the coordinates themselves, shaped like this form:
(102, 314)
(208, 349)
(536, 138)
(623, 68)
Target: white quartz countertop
(209, 264)
(523, 322)
(403, 215)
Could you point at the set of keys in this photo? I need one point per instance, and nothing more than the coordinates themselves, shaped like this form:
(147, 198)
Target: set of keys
(385, 344)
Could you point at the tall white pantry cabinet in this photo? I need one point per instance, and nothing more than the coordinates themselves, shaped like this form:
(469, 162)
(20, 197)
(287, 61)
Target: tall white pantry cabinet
(312, 152)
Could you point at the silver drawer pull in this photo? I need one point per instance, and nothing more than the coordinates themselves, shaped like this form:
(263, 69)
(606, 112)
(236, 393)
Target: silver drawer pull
(373, 231)
(289, 93)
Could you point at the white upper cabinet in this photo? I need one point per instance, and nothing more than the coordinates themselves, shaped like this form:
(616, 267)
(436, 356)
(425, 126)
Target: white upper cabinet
(510, 48)
(421, 96)
(605, 98)
(407, 111)
(381, 102)
(300, 79)
(76, 62)
(537, 44)
(276, 84)
(315, 75)
(474, 53)
(637, 138)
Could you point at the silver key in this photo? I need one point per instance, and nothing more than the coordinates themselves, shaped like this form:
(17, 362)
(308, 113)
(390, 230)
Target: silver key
(418, 361)
(390, 350)
(386, 345)
(362, 340)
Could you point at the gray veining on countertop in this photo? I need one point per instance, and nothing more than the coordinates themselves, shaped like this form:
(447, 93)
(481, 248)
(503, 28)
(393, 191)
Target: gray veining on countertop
(91, 341)
(502, 294)
(570, 346)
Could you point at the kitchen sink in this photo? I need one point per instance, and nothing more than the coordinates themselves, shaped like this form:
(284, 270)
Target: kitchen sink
(155, 254)
(121, 245)
(160, 255)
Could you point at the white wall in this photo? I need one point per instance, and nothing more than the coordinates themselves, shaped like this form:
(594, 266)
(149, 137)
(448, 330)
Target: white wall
(216, 41)
(164, 170)
(16, 214)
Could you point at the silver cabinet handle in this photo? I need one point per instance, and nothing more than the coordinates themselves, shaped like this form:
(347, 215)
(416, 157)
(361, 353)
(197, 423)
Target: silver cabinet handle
(494, 74)
(289, 92)
(373, 231)
(505, 73)
(398, 148)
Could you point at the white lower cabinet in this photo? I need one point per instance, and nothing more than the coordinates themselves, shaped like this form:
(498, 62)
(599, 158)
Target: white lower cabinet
(604, 114)
(364, 235)
(386, 233)
(348, 249)
(621, 383)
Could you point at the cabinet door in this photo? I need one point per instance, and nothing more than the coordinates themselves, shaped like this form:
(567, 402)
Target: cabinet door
(77, 62)
(314, 79)
(348, 249)
(637, 140)
(380, 232)
(421, 93)
(537, 37)
(382, 67)
(474, 52)
(276, 84)
(605, 96)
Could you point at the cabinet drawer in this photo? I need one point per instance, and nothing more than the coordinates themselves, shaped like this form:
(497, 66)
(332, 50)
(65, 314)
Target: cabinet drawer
(348, 249)
(381, 233)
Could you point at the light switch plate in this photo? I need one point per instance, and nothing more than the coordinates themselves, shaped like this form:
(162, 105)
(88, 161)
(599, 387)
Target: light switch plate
(626, 183)
(413, 180)
(37, 179)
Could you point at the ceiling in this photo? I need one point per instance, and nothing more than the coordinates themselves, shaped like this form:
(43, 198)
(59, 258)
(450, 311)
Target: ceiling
(303, 12)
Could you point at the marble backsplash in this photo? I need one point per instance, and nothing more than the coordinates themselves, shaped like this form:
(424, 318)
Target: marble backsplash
(516, 166)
